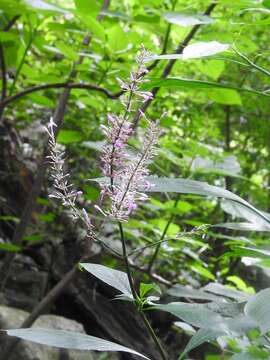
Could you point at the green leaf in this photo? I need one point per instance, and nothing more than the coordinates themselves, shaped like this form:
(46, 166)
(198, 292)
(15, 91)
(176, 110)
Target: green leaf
(258, 309)
(195, 314)
(41, 5)
(266, 3)
(185, 186)
(92, 24)
(41, 100)
(188, 292)
(115, 278)
(211, 68)
(201, 336)
(225, 96)
(202, 49)
(220, 289)
(9, 247)
(67, 50)
(69, 136)
(117, 39)
(190, 84)
(87, 7)
(69, 340)
(147, 288)
(199, 269)
(186, 19)
(5, 36)
(244, 226)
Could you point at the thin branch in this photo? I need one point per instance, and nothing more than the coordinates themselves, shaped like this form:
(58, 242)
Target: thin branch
(165, 43)
(3, 73)
(170, 64)
(3, 65)
(11, 23)
(152, 260)
(28, 46)
(57, 86)
(251, 63)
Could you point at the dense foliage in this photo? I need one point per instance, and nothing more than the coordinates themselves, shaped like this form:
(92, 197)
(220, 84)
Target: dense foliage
(202, 235)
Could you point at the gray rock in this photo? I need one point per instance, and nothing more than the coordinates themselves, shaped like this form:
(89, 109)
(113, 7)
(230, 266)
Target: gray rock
(12, 318)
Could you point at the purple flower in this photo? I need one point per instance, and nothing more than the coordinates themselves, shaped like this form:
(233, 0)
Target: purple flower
(127, 176)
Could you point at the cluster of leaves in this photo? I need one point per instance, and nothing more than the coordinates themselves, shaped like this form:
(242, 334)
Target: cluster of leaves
(215, 130)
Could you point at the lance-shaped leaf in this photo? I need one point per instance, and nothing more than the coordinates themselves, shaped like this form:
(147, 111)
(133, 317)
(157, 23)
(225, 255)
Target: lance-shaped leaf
(258, 309)
(115, 278)
(185, 186)
(244, 226)
(195, 314)
(187, 292)
(191, 84)
(69, 340)
(220, 289)
(186, 19)
(201, 336)
(202, 49)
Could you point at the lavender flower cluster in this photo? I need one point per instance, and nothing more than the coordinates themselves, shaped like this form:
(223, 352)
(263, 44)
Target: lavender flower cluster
(63, 190)
(127, 176)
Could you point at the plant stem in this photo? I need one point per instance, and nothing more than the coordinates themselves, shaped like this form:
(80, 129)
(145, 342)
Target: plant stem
(124, 248)
(134, 293)
(152, 260)
(153, 335)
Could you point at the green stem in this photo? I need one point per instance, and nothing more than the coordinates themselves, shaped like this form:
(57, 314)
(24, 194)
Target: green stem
(152, 260)
(153, 335)
(28, 46)
(135, 296)
(124, 248)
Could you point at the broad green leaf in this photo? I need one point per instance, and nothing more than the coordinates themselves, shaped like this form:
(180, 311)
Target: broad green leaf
(147, 288)
(185, 186)
(115, 278)
(220, 289)
(225, 96)
(41, 5)
(244, 226)
(69, 136)
(195, 314)
(186, 19)
(211, 68)
(190, 84)
(266, 3)
(254, 252)
(87, 7)
(9, 247)
(187, 292)
(117, 39)
(69, 340)
(67, 50)
(258, 309)
(92, 24)
(5, 36)
(41, 100)
(202, 336)
(244, 356)
(199, 269)
(228, 166)
(240, 283)
(202, 49)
